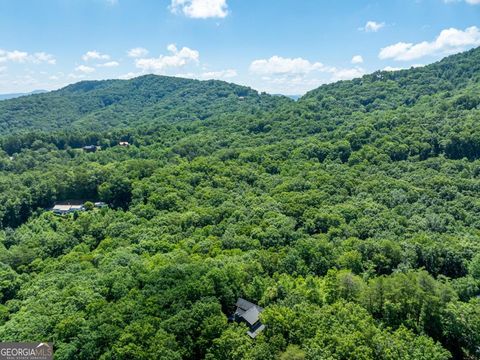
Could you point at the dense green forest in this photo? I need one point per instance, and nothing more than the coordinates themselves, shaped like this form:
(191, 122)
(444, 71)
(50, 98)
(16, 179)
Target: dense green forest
(351, 216)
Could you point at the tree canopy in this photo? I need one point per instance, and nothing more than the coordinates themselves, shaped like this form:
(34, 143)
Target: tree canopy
(350, 216)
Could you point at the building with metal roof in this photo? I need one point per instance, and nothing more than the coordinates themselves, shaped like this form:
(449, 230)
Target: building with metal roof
(249, 313)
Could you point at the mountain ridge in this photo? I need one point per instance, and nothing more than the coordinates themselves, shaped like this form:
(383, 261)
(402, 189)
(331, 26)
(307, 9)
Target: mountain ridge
(97, 104)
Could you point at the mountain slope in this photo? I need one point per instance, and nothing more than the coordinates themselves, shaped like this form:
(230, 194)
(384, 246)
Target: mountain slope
(100, 105)
(385, 90)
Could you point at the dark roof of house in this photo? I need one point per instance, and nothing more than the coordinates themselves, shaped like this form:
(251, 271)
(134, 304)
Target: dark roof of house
(248, 311)
(252, 315)
(244, 304)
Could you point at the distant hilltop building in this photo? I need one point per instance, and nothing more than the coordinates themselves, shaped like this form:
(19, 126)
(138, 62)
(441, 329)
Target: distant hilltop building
(75, 205)
(249, 314)
(64, 209)
(100, 204)
(124, 143)
(90, 148)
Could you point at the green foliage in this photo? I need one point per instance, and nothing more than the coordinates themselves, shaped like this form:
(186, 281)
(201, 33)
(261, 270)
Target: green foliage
(351, 216)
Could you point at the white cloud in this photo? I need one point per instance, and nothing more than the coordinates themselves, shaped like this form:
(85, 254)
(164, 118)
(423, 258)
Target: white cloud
(211, 75)
(222, 74)
(396, 68)
(3, 69)
(392, 68)
(281, 65)
(17, 56)
(200, 9)
(449, 41)
(137, 52)
(347, 74)
(23, 56)
(130, 75)
(357, 59)
(277, 65)
(13, 56)
(372, 26)
(109, 64)
(178, 58)
(296, 75)
(95, 55)
(85, 69)
(44, 57)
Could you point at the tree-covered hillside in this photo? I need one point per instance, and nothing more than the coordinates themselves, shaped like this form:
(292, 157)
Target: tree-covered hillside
(350, 216)
(101, 105)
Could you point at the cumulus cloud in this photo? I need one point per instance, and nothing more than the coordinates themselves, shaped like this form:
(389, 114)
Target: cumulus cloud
(85, 69)
(449, 41)
(109, 64)
(297, 75)
(357, 59)
(281, 65)
(211, 75)
(94, 55)
(277, 65)
(200, 9)
(222, 74)
(137, 52)
(347, 74)
(40, 57)
(372, 26)
(23, 57)
(14, 56)
(177, 58)
(392, 68)
(130, 75)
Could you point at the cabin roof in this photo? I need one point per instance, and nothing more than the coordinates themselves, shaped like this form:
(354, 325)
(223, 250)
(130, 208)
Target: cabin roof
(61, 207)
(245, 305)
(248, 311)
(252, 315)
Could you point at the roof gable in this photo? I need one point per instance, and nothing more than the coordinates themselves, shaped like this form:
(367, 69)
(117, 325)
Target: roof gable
(252, 315)
(244, 304)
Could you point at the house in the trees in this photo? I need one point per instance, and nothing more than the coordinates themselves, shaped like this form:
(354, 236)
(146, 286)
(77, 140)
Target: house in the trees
(100, 204)
(249, 313)
(64, 209)
(90, 148)
(124, 143)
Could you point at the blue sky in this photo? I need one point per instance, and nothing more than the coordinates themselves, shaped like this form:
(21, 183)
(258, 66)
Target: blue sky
(278, 46)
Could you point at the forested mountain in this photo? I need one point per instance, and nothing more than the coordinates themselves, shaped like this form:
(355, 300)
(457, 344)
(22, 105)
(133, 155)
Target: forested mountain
(350, 216)
(101, 105)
